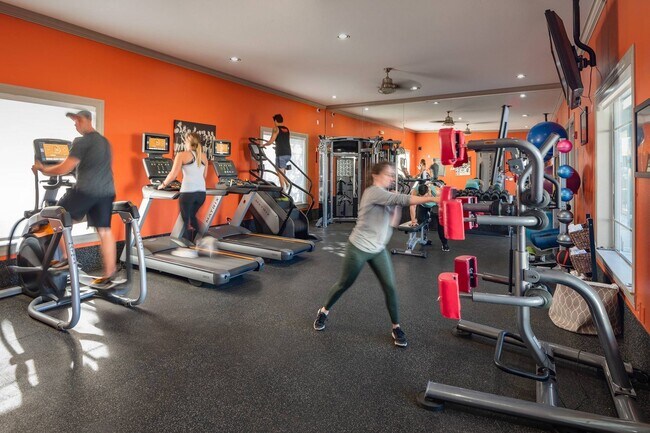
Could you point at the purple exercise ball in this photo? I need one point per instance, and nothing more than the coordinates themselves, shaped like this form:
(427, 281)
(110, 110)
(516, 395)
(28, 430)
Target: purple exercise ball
(573, 182)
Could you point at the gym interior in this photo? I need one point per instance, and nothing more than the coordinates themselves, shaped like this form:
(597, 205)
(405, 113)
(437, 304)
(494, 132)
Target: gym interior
(531, 116)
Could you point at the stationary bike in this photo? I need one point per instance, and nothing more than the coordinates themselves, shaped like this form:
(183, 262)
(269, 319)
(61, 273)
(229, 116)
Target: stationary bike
(41, 272)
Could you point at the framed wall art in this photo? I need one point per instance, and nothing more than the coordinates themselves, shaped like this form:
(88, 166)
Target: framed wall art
(208, 134)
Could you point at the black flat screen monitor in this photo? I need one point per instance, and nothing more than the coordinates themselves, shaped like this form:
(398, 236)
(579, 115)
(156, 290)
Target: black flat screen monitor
(221, 148)
(155, 143)
(564, 56)
(51, 150)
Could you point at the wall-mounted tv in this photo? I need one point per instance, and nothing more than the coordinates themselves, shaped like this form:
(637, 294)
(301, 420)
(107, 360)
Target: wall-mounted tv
(565, 58)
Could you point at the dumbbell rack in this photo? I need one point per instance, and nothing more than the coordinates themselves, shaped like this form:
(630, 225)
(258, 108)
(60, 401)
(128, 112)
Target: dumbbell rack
(529, 292)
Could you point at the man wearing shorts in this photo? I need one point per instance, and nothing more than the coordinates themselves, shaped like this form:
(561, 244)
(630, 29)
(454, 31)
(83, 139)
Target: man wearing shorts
(280, 136)
(93, 194)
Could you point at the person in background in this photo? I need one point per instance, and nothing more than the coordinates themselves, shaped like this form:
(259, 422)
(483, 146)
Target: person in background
(193, 163)
(379, 211)
(430, 189)
(423, 173)
(93, 195)
(280, 136)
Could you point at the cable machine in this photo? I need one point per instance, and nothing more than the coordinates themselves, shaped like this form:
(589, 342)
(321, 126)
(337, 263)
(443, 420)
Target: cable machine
(344, 164)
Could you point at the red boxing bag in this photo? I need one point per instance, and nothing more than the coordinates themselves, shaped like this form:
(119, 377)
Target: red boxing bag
(461, 149)
(448, 151)
(467, 270)
(448, 295)
(453, 220)
(446, 193)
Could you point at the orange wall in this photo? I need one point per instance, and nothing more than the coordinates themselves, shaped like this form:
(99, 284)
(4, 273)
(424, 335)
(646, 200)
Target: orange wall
(622, 24)
(142, 94)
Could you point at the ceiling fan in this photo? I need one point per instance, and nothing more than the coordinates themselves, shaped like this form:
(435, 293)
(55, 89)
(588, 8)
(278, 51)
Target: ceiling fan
(387, 85)
(448, 121)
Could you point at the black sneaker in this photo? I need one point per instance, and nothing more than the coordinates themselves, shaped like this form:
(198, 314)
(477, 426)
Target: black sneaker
(399, 337)
(319, 323)
(445, 248)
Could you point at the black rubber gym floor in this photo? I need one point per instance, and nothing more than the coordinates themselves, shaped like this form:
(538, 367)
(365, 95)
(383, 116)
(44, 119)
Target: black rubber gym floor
(244, 357)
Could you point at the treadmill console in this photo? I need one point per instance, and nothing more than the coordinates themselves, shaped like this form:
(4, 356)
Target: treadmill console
(157, 167)
(225, 169)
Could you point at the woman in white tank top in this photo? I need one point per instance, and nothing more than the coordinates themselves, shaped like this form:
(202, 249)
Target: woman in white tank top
(193, 163)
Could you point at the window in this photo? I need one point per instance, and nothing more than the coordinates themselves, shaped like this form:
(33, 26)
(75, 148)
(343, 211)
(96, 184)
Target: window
(298, 157)
(404, 163)
(614, 176)
(25, 115)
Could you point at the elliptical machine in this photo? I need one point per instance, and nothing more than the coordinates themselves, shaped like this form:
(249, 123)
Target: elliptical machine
(40, 277)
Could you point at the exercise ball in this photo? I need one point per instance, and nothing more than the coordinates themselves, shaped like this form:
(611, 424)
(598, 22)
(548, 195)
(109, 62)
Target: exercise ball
(563, 258)
(573, 182)
(540, 132)
(565, 171)
(566, 194)
(564, 146)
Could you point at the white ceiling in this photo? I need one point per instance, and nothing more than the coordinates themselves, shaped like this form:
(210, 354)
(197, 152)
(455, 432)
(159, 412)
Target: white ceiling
(448, 46)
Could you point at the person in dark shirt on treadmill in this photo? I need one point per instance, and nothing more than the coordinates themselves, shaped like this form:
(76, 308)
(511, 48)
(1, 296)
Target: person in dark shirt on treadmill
(280, 136)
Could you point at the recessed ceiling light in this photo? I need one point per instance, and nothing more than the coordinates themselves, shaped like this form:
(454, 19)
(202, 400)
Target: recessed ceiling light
(235, 59)
(524, 115)
(343, 36)
(460, 118)
(366, 109)
(521, 76)
(414, 87)
(436, 102)
(333, 96)
(526, 126)
(522, 95)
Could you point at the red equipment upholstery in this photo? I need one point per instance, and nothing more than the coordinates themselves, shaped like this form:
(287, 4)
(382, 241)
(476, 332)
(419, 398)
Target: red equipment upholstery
(448, 295)
(466, 267)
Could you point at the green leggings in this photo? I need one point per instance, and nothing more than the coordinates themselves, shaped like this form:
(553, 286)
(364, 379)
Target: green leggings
(382, 267)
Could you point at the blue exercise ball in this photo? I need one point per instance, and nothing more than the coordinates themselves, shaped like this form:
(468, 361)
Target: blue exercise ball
(540, 132)
(566, 194)
(565, 171)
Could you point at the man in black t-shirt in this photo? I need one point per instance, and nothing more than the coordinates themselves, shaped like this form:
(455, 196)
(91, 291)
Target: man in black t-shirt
(93, 194)
(280, 136)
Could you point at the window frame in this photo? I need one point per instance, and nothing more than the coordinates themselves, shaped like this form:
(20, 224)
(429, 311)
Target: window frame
(619, 81)
(44, 97)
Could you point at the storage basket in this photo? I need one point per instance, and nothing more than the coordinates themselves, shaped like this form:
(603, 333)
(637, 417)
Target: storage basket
(582, 263)
(580, 239)
(570, 311)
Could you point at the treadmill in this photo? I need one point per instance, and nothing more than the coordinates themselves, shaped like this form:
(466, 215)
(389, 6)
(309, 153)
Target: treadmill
(233, 237)
(212, 267)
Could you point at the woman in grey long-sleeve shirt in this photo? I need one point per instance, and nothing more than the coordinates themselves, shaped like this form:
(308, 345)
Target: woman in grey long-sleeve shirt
(379, 211)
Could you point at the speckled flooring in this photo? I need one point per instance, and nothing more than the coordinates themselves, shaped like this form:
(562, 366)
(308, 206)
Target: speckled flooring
(244, 357)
